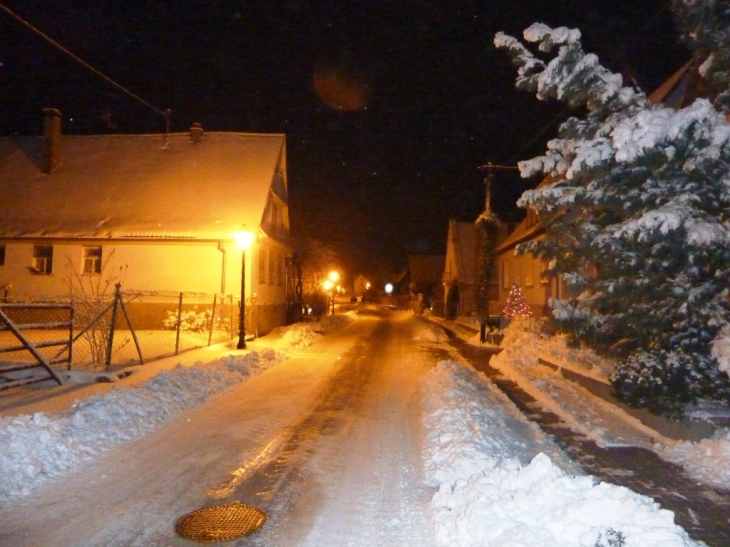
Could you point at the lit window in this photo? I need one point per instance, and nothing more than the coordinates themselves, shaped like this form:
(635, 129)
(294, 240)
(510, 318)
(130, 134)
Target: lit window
(544, 277)
(275, 218)
(2, 255)
(272, 264)
(92, 260)
(42, 260)
(529, 270)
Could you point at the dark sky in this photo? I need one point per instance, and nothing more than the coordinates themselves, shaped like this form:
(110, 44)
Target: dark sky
(418, 96)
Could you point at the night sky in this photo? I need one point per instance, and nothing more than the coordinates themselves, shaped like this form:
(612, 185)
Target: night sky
(389, 106)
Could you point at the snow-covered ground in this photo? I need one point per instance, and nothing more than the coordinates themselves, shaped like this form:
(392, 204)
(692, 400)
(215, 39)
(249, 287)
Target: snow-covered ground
(496, 478)
(707, 460)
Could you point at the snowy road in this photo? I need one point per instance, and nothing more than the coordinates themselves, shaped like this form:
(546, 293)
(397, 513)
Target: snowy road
(327, 442)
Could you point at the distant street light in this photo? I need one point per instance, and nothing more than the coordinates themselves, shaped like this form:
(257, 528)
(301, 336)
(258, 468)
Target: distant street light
(334, 277)
(389, 289)
(244, 240)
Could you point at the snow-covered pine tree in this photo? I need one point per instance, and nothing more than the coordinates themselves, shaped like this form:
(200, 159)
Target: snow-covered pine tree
(638, 222)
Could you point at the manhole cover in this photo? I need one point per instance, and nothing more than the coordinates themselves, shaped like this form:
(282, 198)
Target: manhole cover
(221, 522)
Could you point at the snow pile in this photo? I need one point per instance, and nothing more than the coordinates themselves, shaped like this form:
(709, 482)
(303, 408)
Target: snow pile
(487, 497)
(328, 323)
(36, 448)
(429, 332)
(540, 505)
(707, 460)
(300, 336)
(403, 315)
(470, 424)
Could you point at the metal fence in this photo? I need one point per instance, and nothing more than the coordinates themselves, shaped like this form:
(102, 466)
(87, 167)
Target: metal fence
(128, 327)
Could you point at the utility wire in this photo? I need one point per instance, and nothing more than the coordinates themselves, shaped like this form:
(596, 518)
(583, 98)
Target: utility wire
(165, 113)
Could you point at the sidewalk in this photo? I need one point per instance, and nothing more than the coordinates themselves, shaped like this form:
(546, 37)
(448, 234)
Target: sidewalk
(701, 510)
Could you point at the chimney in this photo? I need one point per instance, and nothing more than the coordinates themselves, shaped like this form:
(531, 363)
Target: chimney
(51, 139)
(196, 133)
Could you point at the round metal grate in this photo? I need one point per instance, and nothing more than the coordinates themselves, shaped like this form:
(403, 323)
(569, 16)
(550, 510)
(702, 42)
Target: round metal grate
(221, 522)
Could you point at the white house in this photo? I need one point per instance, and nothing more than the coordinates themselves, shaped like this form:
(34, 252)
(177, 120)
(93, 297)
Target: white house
(164, 210)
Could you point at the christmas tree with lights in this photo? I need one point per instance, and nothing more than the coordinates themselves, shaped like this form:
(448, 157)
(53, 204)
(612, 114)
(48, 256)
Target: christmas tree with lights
(516, 305)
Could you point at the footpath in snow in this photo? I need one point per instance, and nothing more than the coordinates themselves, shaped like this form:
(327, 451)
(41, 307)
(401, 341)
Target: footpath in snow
(707, 460)
(497, 479)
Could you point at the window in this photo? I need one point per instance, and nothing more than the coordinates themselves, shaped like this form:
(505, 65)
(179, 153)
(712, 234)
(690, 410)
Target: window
(92, 260)
(2, 255)
(529, 270)
(272, 265)
(275, 218)
(42, 260)
(281, 263)
(505, 274)
(263, 266)
(544, 278)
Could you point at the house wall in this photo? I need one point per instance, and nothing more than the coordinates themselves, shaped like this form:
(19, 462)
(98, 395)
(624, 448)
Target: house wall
(268, 285)
(459, 291)
(138, 266)
(526, 271)
(179, 267)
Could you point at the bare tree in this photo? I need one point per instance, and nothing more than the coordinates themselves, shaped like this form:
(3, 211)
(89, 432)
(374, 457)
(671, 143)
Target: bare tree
(91, 294)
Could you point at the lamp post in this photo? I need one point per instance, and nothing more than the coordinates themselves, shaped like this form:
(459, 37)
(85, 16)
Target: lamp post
(244, 240)
(334, 277)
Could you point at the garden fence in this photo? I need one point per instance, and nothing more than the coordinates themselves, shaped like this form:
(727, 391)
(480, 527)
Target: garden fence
(129, 326)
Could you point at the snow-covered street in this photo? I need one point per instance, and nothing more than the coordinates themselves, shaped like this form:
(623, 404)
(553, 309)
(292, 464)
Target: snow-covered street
(371, 434)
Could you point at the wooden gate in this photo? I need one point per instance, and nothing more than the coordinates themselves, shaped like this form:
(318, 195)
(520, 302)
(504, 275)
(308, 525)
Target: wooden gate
(12, 317)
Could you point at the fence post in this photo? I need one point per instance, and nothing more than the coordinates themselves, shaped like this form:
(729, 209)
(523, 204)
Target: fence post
(110, 341)
(230, 323)
(71, 335)
(212, 319)
(179, 318)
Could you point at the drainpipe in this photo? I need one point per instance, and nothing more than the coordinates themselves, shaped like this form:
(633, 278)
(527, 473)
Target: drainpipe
(223, 267)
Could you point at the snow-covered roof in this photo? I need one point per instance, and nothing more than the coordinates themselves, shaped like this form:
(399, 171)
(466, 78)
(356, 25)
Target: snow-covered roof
(520, 234)
(462, 242)
(139, 186)
(673, 91)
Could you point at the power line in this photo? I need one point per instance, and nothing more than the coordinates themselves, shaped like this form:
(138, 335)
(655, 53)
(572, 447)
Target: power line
(165, 114)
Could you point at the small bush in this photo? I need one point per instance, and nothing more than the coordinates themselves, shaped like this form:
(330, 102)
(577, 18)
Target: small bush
(665, 382)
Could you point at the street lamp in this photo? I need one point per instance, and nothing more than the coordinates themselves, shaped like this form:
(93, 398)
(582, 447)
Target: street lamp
(334, 277)
(244, 240)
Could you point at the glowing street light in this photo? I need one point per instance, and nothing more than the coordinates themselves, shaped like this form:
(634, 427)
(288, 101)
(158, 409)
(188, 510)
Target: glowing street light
(244, 240)
(389, 288)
